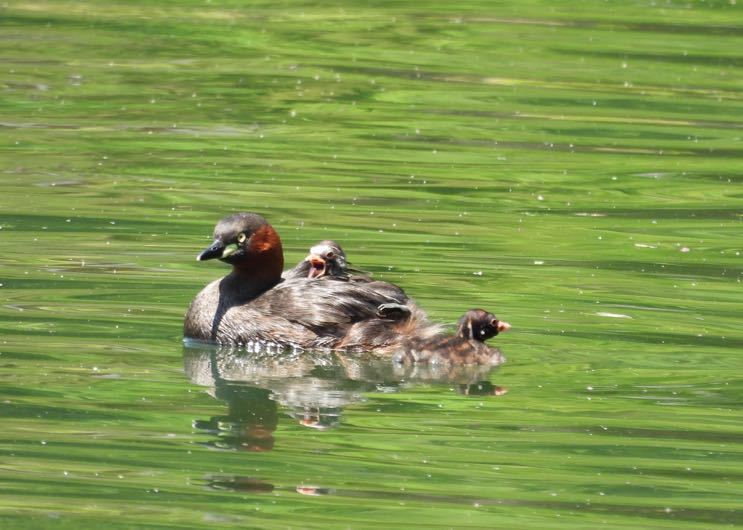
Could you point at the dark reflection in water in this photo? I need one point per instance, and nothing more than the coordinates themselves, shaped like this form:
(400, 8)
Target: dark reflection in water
(250, 421)
(255, 486)
(313, 388)
(237, 483)
(483, 388)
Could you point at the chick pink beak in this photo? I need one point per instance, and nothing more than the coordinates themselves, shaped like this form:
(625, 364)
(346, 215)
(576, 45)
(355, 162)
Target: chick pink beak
(503, 326)
(317, 266)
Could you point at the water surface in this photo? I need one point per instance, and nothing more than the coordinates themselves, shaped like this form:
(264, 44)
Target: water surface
(573, 168)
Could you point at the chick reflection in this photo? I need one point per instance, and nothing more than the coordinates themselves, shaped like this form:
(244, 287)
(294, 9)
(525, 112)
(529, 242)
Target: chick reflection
(483, 388)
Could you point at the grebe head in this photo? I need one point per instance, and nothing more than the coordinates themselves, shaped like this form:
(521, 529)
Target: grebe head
(478, 324)
(326, 259)
(248, 243)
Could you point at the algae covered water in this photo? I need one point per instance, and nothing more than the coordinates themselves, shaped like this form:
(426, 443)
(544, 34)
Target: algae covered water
(574, 168)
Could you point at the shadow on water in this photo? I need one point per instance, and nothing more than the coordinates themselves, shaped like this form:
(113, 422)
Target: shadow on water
(314, 387)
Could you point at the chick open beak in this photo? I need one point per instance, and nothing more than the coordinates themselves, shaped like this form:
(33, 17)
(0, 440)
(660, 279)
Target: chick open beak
(318, 267)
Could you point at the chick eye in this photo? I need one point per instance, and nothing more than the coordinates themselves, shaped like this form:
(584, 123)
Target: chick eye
(241, 237)
(330, 254)
(494, 322)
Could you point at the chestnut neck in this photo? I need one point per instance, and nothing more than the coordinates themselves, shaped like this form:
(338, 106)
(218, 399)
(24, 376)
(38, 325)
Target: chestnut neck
(262, 266)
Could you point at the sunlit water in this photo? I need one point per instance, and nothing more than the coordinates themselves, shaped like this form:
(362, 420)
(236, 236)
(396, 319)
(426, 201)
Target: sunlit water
(574, 168)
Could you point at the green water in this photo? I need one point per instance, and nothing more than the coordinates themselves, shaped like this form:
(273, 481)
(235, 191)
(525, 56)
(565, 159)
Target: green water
(573, 167)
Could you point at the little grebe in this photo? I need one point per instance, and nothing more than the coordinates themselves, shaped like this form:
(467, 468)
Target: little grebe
(466, 347)
(325, 259)
(254, 303)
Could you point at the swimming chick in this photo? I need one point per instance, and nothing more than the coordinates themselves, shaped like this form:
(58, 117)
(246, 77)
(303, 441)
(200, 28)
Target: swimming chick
(466, 347)
(254, 303)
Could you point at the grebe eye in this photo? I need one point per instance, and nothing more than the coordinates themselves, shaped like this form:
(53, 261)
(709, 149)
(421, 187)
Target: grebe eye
(494, 322)
(330, 254)
(241, 237)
